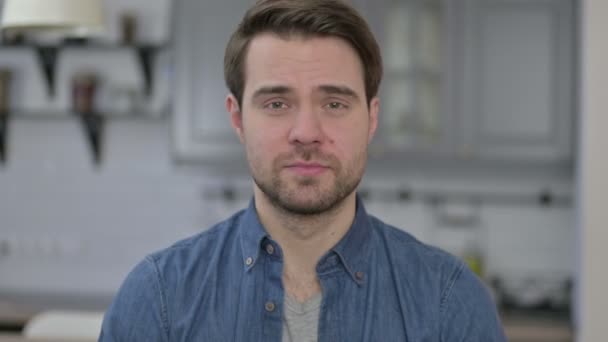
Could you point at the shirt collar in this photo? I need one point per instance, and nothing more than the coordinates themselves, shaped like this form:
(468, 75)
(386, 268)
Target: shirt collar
(252, 234)
(352, 250)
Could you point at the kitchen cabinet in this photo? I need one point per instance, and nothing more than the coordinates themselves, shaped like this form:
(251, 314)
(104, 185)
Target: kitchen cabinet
(484, 80)
(413, 36)
(202, 126)
(488, 80)
(516, 81)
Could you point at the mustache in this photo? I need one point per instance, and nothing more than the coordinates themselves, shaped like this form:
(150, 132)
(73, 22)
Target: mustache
(308, 153)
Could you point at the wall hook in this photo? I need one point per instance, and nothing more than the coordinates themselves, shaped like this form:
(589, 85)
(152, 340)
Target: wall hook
(93, 125)
(3, 136)
(146, 54)
(47, 58)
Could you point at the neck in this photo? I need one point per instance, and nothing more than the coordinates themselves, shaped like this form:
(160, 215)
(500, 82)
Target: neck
(304, 239)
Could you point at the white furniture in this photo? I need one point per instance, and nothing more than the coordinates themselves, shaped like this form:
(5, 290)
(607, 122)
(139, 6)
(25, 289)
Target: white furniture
(64, 325)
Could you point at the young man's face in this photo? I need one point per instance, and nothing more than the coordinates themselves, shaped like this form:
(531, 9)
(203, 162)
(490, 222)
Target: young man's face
(304, 121)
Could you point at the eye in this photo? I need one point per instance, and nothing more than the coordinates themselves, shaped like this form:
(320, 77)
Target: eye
(275, 105)
(336, 106)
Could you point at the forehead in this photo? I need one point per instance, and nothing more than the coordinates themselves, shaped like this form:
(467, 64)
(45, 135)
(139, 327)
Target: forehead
(302, 62)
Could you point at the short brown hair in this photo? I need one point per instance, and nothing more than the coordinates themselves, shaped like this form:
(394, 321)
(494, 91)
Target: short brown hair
(309, 18)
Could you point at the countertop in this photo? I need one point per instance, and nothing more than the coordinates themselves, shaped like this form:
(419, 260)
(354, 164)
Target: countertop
(526, 327)
(19, 338)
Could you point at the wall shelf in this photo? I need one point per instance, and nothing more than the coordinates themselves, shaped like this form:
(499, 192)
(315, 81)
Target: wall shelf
(17, 114)
(93, 126)
(47, 56)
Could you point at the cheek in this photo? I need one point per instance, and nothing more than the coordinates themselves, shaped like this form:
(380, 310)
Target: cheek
(267, 129)
(263, 139)
(350, 137)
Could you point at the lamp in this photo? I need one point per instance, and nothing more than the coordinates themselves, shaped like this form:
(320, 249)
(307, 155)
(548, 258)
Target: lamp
(72, 17)
(52, 18)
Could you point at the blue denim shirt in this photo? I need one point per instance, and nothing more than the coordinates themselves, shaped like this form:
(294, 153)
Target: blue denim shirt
(378, 284)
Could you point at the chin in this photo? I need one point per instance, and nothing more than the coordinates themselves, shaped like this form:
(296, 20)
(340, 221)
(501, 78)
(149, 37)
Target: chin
(299, 203)
(306, 208)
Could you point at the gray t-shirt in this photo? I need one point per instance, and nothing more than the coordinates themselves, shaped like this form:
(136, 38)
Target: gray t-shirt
(301, 320)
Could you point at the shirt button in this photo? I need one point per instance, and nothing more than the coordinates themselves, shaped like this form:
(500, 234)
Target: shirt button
(249, 261)
(269, 306)
(269, 249)
(359, 275)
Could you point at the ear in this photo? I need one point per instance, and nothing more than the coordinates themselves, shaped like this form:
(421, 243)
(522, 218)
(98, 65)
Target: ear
(236, 117)
(374, 109)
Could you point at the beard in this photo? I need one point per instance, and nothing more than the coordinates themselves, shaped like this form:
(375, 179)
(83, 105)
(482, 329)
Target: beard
(308, 195)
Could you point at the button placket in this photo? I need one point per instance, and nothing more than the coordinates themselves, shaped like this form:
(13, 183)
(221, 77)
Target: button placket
(271, 267)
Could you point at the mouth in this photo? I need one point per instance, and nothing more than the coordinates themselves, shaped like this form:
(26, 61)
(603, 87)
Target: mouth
(307, 168)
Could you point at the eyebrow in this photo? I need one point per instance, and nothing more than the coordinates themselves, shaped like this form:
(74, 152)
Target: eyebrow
(339, 90)
(271, 90)
(326, 88)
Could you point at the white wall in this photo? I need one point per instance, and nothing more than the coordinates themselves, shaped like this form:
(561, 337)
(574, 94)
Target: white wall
(593, 173)
(72, 227)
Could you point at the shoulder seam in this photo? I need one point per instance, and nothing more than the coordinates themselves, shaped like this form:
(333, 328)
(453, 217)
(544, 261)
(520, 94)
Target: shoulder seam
(448, 290)
(180, 245)
(161, 294)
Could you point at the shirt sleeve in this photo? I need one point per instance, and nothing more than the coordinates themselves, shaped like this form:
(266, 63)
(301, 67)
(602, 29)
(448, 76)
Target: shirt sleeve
(468, 312)
(138, 311)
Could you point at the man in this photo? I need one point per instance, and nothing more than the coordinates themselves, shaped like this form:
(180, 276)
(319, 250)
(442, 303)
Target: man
(304, 262)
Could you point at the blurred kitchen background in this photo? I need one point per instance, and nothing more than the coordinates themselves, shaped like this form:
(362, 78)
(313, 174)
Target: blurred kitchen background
(118, 145)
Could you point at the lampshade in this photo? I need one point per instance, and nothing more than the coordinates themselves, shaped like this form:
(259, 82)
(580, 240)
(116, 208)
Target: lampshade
(78, 17)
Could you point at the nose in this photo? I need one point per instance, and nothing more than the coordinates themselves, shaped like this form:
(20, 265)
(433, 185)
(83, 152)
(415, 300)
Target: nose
(307, 128)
